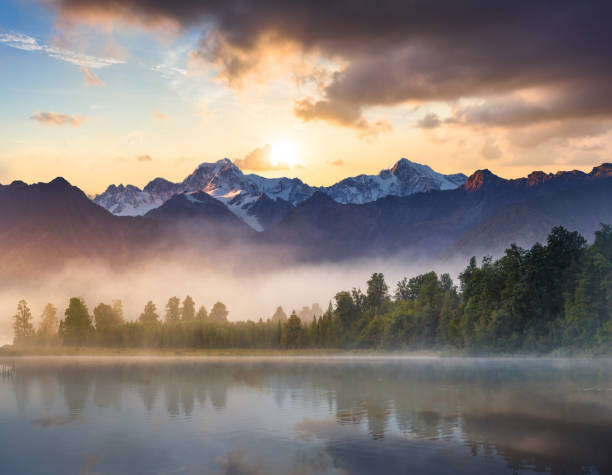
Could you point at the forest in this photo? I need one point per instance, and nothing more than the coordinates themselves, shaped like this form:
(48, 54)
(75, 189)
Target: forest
(556, 295)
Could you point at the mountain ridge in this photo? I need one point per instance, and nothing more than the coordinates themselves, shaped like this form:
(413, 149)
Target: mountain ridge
(43, 225)
(239, 191)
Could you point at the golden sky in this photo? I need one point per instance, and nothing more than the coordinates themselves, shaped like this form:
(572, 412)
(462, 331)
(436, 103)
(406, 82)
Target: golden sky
(123, 92)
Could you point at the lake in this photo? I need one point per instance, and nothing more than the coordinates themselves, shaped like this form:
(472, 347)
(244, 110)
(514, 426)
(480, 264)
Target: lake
(306, 416)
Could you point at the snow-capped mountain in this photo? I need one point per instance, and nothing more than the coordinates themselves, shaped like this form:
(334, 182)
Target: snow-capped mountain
(246, 195)
(402, 179)
(222, 180)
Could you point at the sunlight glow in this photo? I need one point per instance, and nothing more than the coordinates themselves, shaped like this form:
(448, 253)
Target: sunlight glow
(283, 152)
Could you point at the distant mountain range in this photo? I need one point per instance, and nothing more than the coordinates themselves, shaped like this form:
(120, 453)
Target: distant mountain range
(219, 210)
(260, 201)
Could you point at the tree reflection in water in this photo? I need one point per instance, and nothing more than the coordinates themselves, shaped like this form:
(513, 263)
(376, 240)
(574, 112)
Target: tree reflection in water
(543, 415)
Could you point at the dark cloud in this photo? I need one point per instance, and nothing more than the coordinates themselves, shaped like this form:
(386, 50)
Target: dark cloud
(398, 52)
(557, 131)
(429, 121)
(53, 118)
(341, 113)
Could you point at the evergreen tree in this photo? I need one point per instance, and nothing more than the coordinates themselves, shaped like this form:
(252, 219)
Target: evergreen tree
(149, 315)
(279, 315)
(173, 313)
(106, 318)
(219, 313)
(76, 328)
(22, 324)
(345, 309)
(48, 321)
(293, 331)
(377, 294)
(188, 309)
(202, 314)
(118, 309)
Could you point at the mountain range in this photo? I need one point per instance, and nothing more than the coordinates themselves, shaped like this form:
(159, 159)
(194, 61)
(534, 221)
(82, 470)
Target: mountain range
(260, 201)
(219, 211)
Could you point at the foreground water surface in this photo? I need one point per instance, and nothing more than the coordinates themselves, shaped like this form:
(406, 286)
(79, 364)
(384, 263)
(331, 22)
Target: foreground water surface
(306, 415)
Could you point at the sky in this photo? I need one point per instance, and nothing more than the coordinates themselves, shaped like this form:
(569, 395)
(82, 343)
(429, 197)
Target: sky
(103, 92)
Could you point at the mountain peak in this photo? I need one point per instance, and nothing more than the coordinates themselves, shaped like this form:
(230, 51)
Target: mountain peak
(603, 170)
(537, 177)
(481, 178)
(158, 185)
(222, 162)
(60, 182)
(18, 183)
(403, 165)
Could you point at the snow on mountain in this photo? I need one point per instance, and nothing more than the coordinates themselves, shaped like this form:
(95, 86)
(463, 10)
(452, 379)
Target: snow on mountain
(222, 180)
(241, 192)
(128, 200)
(402, 179)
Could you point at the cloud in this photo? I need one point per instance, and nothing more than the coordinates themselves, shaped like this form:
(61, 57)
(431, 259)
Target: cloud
(90, 78)
(429, 121)
(159, 116)
(29, 43)
(144, 158)
(53, 118)
(337, 163)
(345, 114)
(490, 150)
(259, 160)
(558, 131)
(393, 53)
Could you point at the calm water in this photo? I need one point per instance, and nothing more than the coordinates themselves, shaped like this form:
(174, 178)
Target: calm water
(306, 416)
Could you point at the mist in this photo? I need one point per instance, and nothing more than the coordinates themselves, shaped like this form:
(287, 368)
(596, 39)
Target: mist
(250, 281)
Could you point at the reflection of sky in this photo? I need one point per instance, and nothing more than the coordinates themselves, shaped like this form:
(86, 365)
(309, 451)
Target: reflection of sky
(342, 417)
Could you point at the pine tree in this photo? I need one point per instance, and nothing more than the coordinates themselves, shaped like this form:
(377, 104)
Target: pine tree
(202, 314)
(279, 315)
(76, 328)
(48, 321)
(219, 313)
(188, 309)
(172, 310)
(22, 324)
(149, 315)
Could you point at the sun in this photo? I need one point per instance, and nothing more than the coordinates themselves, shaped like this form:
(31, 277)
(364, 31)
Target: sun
(283, 153)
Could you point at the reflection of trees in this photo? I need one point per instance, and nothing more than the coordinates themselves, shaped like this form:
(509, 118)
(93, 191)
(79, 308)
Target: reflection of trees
(75, 382)
(492, 406)
(22, 391)
(47, 387)
(108, 387)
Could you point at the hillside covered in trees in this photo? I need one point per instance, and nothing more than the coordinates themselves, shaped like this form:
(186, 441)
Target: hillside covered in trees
(554, 295)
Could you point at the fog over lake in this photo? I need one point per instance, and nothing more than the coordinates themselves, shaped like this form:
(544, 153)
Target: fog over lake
(306, 415)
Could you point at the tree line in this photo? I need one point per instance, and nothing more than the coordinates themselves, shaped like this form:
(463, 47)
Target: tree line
(553, 295)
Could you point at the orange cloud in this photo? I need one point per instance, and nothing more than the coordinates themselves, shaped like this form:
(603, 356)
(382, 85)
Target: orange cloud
(259, 160)
(340, 113)
(159, 116)
(90, 78)
(53, 118)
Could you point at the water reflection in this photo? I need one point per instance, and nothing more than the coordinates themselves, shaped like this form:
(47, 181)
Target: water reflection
(314, 416)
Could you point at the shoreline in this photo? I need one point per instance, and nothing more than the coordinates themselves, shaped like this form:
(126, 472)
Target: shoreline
(9, 351)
